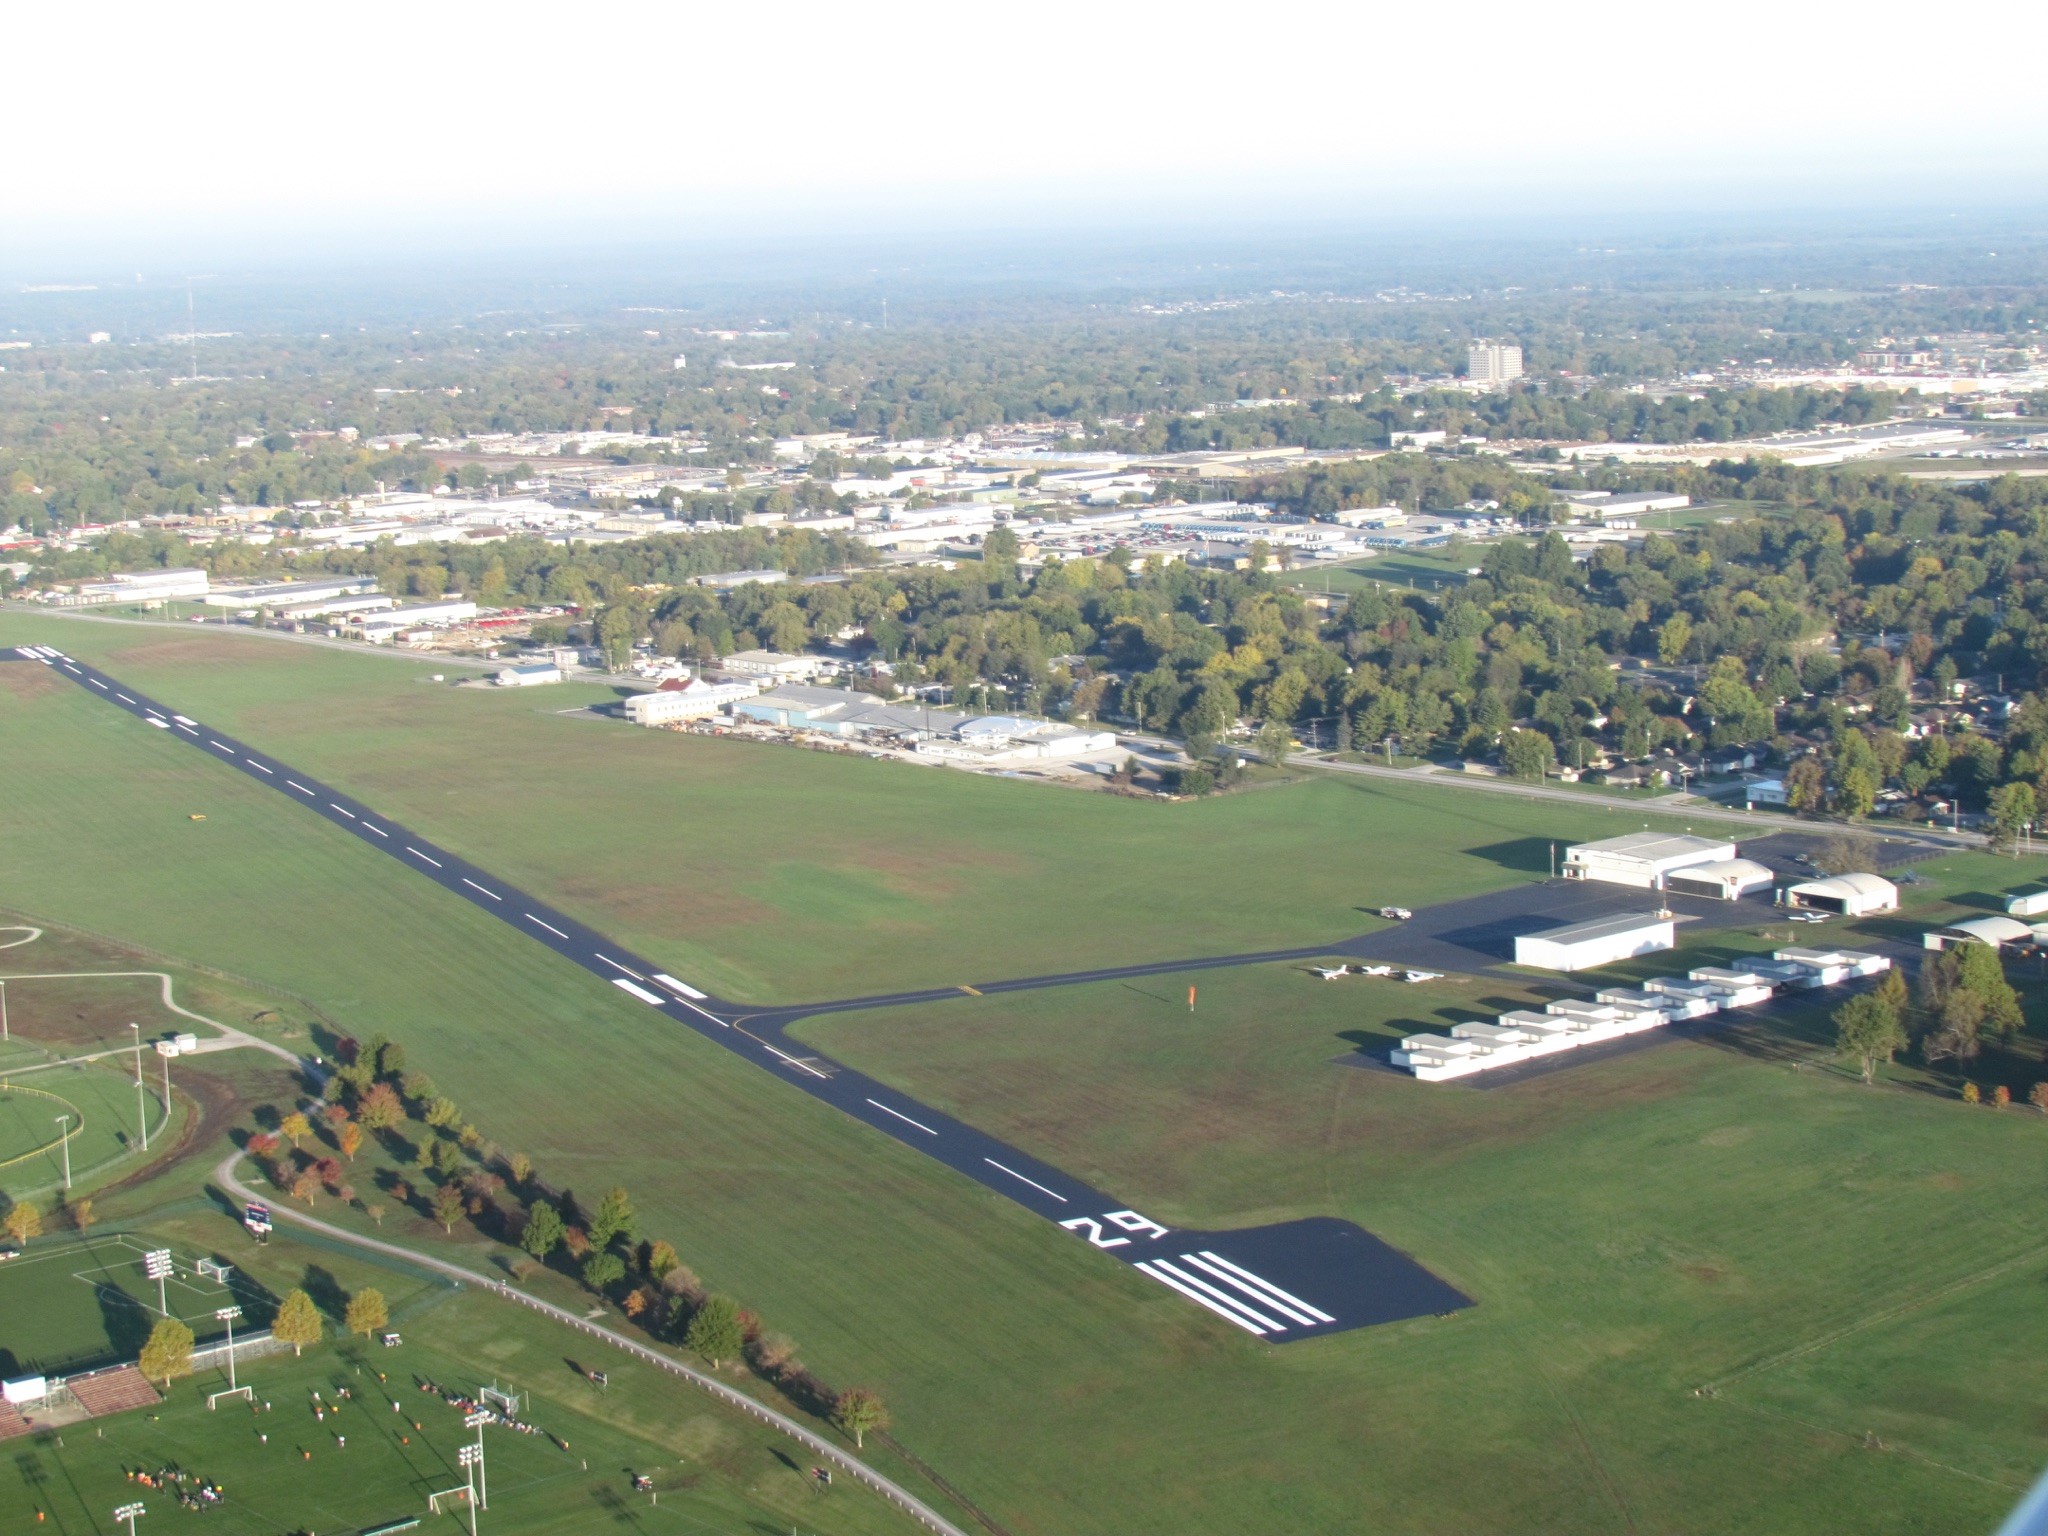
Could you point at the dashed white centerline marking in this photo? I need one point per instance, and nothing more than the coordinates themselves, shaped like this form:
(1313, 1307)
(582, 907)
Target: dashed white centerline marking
(351, 815)
(608, 960)
(124, 698)
(190, 732)
(551, 928)
(256, 765)
(485, 889)
(97, 684)
(295, 784)
(418, 855)
(885, 1109)
(801, 1066)
(373, 827)
(220, 747)
(1013, 1173)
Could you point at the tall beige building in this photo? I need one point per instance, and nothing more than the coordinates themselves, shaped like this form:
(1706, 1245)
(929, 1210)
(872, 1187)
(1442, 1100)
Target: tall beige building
(1491, 362)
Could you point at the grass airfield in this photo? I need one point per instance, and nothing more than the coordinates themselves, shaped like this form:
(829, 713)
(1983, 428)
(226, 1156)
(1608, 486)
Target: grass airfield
(1847, 1271)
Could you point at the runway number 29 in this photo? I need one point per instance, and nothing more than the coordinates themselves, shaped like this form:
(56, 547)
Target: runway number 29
(1129, 1221)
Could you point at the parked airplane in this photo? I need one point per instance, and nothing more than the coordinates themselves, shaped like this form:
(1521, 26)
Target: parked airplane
(1331, 972)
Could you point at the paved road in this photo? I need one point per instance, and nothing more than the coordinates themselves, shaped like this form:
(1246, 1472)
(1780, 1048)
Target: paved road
(169, 628)
(224, 1175)
(1283, 1282)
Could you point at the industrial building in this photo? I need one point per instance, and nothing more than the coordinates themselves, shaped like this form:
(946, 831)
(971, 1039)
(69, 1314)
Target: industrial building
(1616, 1012)
(693, 699)
(1721, 880)
(275, 594)
(1848, 895)
(945, 735)
(1643, 859)
(776, 666)
(1583, 946)
(135, 587)
(380, 628)
(529, 675)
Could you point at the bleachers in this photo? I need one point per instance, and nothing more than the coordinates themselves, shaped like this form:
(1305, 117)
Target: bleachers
(11, 1422)
(115, 1391)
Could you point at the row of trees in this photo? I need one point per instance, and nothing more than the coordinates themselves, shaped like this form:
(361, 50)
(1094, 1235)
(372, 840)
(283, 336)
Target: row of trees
(1963, 1001)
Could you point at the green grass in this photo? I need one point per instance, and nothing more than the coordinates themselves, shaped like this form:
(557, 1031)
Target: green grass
(74, 1303)
(1731, 1212)
(715, 1471)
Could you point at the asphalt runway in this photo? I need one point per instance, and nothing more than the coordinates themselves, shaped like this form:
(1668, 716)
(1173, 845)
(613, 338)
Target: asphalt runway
(1288, 1281)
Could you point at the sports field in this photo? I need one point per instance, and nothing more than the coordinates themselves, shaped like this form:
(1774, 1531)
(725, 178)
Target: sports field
(1702, 1215)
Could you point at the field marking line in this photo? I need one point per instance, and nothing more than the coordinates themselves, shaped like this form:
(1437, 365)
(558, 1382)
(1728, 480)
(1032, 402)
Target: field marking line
(1166, 1267)
(1145, 1268)
(418, 855)
(1013, 1173)
(859, 1470)
(351, 815)
(1279, 1296)
(608, 960)
(551, 928)
(33, 934)
(885, 1109)
(256, 765)
(474, 886)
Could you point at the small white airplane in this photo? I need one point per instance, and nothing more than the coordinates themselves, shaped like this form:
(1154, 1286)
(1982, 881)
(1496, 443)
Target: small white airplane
(1375, 970)
(1331, 972)
(1422, 975)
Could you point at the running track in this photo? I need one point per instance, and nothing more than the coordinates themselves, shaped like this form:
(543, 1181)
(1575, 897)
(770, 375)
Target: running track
(1284, 1282)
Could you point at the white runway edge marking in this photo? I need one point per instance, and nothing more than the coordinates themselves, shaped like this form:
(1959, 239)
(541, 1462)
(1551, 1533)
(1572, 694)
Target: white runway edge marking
(256, 765)
(801, 1066)
(885, 1109)
(1013, 1173)
(1153, 1268)
(1244, 1279)
(295, 784)
(370, 827)
(485, 889)
(608, 960)
(418, 855)
(678, 986)
(642, 993)
(551, 928)
(351, 815)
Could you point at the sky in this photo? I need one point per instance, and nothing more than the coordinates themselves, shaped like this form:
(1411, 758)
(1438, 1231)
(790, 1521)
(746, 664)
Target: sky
(448, 122)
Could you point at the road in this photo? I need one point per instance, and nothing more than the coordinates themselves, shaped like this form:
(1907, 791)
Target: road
(242, 631)
(224, 1175)
(1283, 1282)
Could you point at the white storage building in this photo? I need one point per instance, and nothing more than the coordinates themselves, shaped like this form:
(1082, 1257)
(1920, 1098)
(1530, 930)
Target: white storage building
(1581, 946)
(1993, 930)
(692, 701)
(2026, 903)
(1850, 895)
(1642, 859)
(775, 666)
(1722, 880)
(528, 676)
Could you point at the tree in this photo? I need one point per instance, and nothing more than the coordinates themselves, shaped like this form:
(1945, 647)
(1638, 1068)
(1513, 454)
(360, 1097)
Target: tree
(661, 1260)
(1971, 1095)
(81, 1214)
(367, 1312)
(375, 1211)
(859, 1411)
(603, 1269)
(305, 1186)
(614, 1215)
(543, 1232)
(522, 1169)
(448, 1206)
(442, 1113)
(24, 1221)
(2012, 811)
(1275, 742)
(1343, 731)
(2000, 1096)
(1855, 790)
(2039, 1097)
(1805, 784)
(1867, 1029)
(380, 1109)
(714, 1330)
(1527, 754)
(1673, 638)
(1954, 1037)
(388, 1056)
(297, 1322)
(168, 1351)
(350, 1139)
(295, 1127)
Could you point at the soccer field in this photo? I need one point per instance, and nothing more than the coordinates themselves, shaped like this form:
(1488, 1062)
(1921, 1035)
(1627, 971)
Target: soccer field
(70, 1304)
(1697, 1216)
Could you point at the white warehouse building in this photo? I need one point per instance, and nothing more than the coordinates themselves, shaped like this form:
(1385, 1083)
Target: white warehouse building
(1582, 946)
(690, 701)
(1642, 859)
(1850, 895)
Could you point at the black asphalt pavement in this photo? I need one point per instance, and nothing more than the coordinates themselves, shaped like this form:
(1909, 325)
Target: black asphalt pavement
(1283, 1282)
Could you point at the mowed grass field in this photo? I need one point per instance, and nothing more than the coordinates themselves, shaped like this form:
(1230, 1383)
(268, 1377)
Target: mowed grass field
(1830, 1260)
(769, 874)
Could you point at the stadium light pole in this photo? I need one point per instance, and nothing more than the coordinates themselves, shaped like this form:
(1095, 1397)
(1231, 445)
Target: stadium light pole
(141, 1099)
(4, 1035)
(469, 1456)
(228, 1315)
(64, 1140)
(129, 1514)
(156, 1264)
(477, 1421)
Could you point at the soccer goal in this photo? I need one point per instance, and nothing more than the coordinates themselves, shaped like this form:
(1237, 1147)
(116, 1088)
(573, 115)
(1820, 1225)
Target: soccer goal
(459, 1491)
(213, 1398)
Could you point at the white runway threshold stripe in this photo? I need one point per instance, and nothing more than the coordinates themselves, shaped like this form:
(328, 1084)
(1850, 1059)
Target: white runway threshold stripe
(642, 993)
(885, 1109)
(1013, 1173)
(551, 928)
(1258, 1288)
(678, 986)
(1207, 1296)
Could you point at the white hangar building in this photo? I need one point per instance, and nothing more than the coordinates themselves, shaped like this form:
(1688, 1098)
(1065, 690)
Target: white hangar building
(1644, 859)
(1582, 946)
(1850, 895)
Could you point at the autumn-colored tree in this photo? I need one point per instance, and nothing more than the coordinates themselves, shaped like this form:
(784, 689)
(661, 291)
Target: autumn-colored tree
(442, 1113)
(367, 1312)
(2039, 1097)
(2001, 1096)
(350, 1137)
(1971, 1095)
(336, 1115)
(297, 1322)
(24, 1221)
(859, 1411)
(375, 1211)
(305, 1186)
(81, 1215)
(448, 1206)
(168, 1351)
(295, 1126)
(522, 1169)
(263, 1144)
(380, 1109)
(661, 1258)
